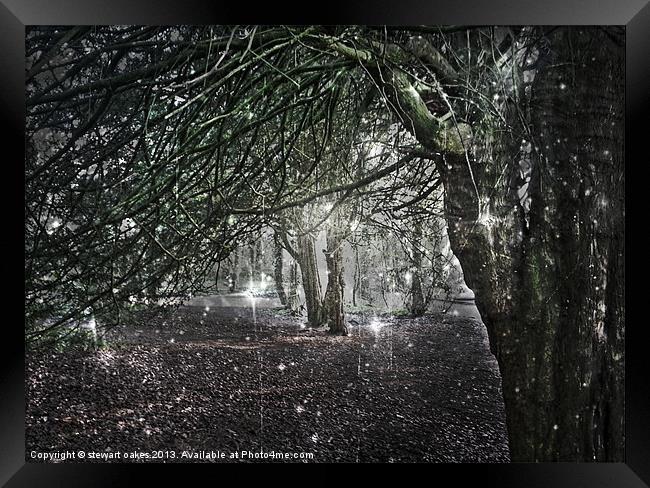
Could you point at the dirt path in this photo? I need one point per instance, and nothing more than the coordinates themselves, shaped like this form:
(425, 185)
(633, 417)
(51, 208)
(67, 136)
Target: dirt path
(195, 380)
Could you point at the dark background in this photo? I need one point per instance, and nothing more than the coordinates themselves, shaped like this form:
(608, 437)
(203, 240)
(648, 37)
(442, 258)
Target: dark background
(15, 14)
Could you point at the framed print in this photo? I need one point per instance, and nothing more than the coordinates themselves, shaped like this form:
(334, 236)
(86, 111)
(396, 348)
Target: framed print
(375, 234)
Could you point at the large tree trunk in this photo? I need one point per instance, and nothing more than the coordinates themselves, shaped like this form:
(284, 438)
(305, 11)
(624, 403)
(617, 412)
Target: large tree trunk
(417, 305)
(579, 102)
(310, 279)
(292, 297)
(333, 303)
(548, 273)
(548, 279)
(278, 264)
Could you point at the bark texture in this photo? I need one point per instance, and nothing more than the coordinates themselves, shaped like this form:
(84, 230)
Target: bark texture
(292, 295)
(548, 269)
(549, 279)
(417, 305)
(310, 280)
(278, 264)
(333, 302)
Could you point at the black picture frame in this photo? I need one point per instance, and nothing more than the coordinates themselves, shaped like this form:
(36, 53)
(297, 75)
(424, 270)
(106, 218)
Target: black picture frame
(15, 14)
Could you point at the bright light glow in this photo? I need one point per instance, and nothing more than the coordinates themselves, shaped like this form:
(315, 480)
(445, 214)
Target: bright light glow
(376, 325)
(52, 225)
(485, 218)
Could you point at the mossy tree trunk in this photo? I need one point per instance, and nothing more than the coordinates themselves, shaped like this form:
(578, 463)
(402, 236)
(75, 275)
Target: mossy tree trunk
(548, 275)
(333, 302)
(548, 280)
(306, 254)
(578, 105)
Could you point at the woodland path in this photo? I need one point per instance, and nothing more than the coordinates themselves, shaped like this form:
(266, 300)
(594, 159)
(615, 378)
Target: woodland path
(395, 390)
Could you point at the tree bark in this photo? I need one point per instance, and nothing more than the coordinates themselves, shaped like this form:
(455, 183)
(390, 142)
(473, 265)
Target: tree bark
(278, 264)
(548, 278)
(417, 305)
(310, 280)
(292, 296)
(545, 283)
(579, 115)
(333, 302)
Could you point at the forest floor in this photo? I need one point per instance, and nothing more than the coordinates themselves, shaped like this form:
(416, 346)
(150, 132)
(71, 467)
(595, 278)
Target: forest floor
(230, 379)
